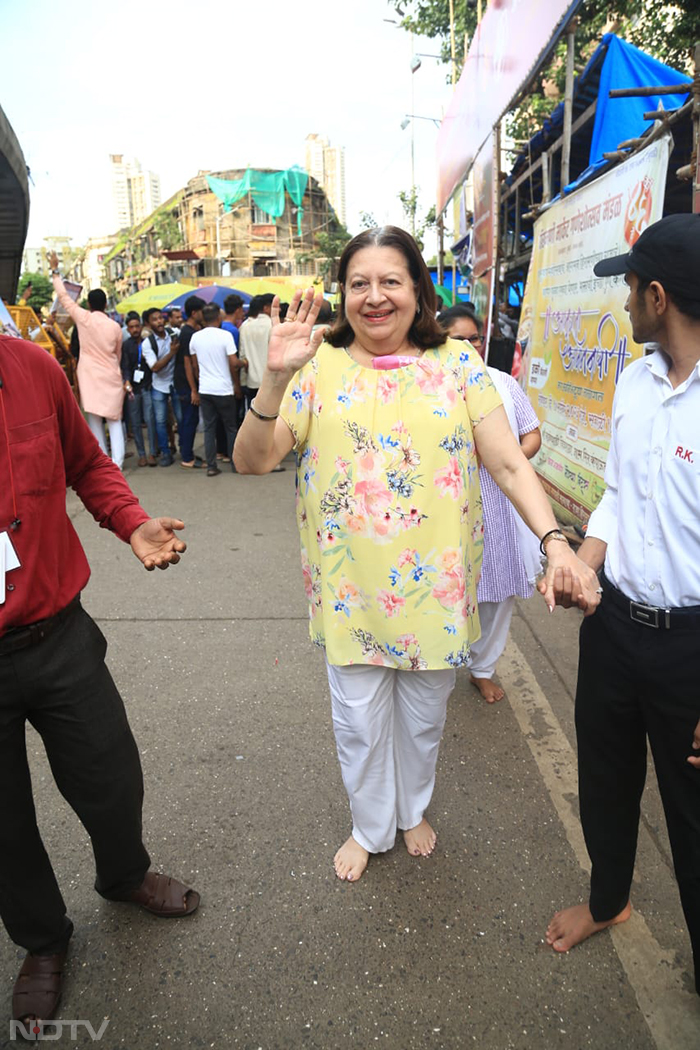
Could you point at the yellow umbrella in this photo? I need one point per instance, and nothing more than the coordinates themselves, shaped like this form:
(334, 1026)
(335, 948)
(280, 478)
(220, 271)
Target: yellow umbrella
(157, 295)
(285, 287)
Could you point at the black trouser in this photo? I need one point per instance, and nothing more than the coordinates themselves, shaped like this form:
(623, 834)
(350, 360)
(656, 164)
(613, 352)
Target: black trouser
(634, 682)
(63, 688)
(214, 407)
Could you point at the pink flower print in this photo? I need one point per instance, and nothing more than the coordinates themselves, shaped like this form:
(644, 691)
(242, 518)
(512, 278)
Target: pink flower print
(386, 388)
(449, 479)
(450, 559)
(326, 539)
(404, 640)
(391, 603)
(356, 523)
(341, 465)
(450, 588)
(429, 379)
(407, 557)
(370, 464)
(383, 524)
(373, 495)
(377, 659)
(308, 579)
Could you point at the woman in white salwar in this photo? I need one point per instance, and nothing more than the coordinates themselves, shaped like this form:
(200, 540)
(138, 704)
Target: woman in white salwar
(386, 417)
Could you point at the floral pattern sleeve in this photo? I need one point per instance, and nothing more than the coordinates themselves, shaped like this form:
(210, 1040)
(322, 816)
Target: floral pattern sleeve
(299, 403)
(480, 394)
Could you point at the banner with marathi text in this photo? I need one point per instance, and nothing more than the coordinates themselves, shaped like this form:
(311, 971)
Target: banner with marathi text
(574, 330)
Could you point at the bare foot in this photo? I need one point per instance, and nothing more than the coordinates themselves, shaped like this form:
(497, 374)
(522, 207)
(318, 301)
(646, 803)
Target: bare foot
(351, 860)
(420, 841)
(573, 925)
(488, 689)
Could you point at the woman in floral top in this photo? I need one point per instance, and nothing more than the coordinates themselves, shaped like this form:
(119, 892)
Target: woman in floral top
(386, 418)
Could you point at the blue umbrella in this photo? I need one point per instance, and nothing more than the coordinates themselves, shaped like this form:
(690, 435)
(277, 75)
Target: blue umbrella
(210, 293)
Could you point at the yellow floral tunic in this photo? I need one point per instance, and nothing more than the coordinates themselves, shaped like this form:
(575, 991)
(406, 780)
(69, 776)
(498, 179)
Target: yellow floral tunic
(389, 505)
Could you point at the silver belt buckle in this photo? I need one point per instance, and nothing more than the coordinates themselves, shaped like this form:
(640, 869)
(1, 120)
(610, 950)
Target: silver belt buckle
(650, 615)
(647, 614)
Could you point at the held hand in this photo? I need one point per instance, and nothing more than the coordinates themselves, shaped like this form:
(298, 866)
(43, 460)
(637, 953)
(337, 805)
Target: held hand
(569, 581)
(291, 341)
(155, 543)
(695, 759)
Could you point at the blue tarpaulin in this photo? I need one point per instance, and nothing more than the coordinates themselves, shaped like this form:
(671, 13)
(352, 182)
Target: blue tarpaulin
(619, 119)
(613, 64)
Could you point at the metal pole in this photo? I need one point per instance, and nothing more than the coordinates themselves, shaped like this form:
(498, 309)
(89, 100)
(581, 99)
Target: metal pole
(568, 106)
(453, 55)
(441, 249)
(696, 131)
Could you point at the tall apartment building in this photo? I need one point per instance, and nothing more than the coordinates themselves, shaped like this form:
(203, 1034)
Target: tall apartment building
(135, 193)
(326, 164)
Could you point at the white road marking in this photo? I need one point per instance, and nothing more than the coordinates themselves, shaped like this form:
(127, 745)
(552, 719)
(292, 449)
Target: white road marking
(669, 1009)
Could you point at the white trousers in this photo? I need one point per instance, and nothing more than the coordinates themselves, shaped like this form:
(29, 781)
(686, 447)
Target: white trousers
(388, 725)
(116, 436)
(495, 620)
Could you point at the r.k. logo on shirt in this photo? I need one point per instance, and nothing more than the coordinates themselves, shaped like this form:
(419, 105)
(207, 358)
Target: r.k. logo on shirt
(687, 455)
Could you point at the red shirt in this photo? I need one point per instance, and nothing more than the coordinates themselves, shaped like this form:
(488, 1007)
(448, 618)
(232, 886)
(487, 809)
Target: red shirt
(50, 447)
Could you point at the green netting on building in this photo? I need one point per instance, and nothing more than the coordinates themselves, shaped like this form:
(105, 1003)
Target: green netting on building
(267, 188)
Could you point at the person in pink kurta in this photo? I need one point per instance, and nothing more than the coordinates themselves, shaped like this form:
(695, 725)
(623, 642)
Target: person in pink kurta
(99, 375)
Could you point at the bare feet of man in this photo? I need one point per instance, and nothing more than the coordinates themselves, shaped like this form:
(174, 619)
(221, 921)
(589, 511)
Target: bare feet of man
(488, 689)
(420, 841)
(350, 861)
(573, 925)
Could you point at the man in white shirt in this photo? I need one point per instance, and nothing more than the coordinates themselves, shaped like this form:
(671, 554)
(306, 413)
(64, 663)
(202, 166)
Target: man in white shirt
(254, 339)
(215, 363)
(159, 349)
(639, 664)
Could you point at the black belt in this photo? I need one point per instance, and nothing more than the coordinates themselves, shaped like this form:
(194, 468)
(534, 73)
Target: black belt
(651, 615)
(34, 633)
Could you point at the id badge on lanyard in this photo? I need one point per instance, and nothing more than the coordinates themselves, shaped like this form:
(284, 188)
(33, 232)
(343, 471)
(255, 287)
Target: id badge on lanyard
(138, 371)
(8, 561)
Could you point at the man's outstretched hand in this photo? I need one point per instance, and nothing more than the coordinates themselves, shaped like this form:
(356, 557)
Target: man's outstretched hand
(695, 759)
(155, 544)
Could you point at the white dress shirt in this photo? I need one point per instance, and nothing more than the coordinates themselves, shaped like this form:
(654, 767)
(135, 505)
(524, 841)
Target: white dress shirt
(255, 335)
(162, 380)
(649, 515)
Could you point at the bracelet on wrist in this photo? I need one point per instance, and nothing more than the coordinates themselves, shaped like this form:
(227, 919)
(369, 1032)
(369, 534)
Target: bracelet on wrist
(260, 415)
(553, 534)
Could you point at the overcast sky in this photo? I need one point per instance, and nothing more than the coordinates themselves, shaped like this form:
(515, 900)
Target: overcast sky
(212, 84)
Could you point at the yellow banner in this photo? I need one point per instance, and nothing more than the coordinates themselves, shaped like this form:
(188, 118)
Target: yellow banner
(574, 330)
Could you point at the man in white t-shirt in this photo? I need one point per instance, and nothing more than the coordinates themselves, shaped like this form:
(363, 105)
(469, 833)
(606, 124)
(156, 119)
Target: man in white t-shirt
(214, 359)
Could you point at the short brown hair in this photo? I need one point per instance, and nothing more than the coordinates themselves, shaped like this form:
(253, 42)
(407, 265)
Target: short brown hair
(425, 332)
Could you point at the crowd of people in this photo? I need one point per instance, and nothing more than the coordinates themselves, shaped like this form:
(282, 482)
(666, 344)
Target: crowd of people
(168, 372)
(420, 519)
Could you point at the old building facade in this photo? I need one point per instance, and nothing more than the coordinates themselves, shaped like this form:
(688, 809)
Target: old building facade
(191, 237)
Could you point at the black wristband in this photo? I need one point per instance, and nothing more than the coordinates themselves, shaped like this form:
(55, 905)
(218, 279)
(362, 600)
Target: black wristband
(552, 532)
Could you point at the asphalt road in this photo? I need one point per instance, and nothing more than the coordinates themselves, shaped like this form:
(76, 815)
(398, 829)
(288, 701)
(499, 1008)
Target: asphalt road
(228, 702)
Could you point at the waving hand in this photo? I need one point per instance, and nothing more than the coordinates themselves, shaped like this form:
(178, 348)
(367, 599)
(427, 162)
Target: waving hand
(292, 341)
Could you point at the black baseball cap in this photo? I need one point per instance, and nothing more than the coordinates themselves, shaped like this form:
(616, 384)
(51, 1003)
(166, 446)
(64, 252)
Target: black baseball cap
(668, 251)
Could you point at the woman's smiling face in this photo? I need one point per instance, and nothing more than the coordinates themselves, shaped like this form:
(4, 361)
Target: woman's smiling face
(380, 298)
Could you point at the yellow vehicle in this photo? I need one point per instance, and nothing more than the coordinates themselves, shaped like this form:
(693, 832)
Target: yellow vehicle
(49, 335)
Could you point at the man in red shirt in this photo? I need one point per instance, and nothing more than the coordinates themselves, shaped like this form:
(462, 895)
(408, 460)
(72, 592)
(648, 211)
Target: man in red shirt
(52, 670)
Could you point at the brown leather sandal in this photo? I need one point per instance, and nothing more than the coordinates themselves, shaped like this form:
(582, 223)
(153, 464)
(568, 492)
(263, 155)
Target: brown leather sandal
(165, 897)
(38, 988)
